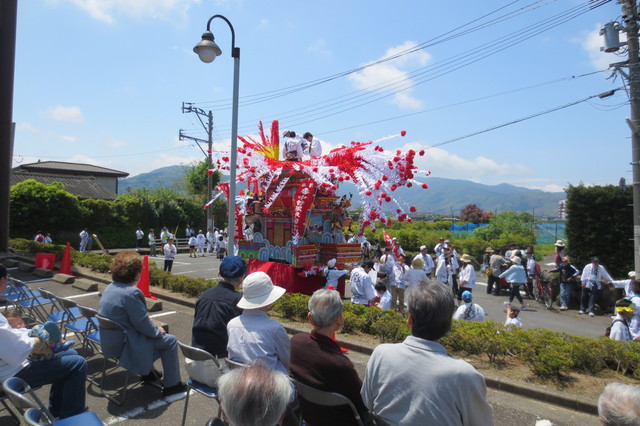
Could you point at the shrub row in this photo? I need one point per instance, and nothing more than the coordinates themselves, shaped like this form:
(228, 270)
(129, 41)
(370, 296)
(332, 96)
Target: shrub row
(548, 354)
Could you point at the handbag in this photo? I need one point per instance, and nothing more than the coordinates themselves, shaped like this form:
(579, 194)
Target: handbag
(206, 372)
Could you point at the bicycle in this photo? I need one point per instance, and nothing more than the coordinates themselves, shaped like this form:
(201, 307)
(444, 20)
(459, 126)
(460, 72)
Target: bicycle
(543, 291)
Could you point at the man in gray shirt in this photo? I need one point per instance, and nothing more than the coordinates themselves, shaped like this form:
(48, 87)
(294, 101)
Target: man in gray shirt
(416, 382)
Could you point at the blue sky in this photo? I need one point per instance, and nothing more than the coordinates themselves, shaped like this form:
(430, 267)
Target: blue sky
(102, 82)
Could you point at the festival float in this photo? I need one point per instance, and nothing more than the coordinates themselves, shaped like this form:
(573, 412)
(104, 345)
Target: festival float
(295, 219)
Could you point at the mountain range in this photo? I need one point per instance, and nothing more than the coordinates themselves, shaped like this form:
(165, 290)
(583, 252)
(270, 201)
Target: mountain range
(442, 198)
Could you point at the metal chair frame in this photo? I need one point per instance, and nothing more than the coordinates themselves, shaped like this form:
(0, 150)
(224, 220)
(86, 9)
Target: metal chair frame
(324, 398)
(197, 354)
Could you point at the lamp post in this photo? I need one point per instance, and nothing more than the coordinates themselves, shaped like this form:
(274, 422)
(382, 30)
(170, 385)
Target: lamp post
(208, 50)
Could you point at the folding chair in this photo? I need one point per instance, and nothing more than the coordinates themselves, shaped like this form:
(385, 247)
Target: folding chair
(197, 354)
(324, 398)
(73, 320)
(32, 302)
(234, 364)
(91, 331)
(57, 313)
(15, 388)
(3, 401)
(107, 324)
(36, 417)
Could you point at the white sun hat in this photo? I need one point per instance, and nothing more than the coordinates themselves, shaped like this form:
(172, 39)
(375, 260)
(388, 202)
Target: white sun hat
(259, 291)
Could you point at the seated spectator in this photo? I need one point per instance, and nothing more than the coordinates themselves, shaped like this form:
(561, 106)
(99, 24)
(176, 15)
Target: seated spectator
(469, 311)
(253, 336)
(620, 324)
(318, 361)
(384, 297)
(66, 373)
(416, 382)
(619, 405)
(49, 332)
(144, 342)
(217, 306)
(512, 319)
(251, 396)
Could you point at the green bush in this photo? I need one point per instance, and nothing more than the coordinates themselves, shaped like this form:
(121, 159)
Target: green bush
(293, 306)
(546, 353)
(389, 326)
(352, 322)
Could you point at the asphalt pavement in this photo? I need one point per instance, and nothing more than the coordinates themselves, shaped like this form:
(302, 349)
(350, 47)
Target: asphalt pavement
(144, 405)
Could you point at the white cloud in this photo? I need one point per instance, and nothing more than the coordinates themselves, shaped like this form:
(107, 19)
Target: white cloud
(71, 114)
(319, 46)
(107, 10)
(591, 44)
(27, 127)
(264, 24)
(390, 76)
(546, 188)
(479, 169)
(69, 138)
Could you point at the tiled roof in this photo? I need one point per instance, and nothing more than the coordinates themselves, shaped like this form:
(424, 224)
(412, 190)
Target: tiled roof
(70, 168)
(82, 186)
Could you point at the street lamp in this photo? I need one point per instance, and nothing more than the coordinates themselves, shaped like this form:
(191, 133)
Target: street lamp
(207, 49)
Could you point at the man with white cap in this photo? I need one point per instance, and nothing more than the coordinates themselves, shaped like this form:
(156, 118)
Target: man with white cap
(253, 336)
(469, 311)
(426, 259)
(333, 274)
(592, 277)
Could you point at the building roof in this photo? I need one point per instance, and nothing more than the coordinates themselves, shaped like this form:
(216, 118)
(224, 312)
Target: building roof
(81, 186)
(54, 167)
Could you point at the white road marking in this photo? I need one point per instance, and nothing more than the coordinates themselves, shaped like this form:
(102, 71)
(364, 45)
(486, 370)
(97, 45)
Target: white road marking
(76, 296)
(148, 407)
(162, 314)
(183, 272)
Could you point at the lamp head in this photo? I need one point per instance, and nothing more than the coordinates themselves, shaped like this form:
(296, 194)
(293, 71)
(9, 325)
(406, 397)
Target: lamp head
(207, 49)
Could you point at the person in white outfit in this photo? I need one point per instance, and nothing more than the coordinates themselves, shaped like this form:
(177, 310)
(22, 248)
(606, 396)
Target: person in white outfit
(416, 273)
(592, 277)
(467, 277)
(469, 311)
(200, 238)
(427, 260)
(333, 274)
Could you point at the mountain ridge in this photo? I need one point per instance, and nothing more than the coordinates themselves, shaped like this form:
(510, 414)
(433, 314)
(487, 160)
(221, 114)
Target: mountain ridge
(443, 197)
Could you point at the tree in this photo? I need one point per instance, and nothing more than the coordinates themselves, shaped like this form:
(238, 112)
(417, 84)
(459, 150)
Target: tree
(47, 207)
(600, 223)
(472, 213)
(196, 177)
(506, 228)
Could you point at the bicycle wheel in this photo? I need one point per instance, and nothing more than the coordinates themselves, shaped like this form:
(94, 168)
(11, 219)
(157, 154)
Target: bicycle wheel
(536, 291)
(548, 296)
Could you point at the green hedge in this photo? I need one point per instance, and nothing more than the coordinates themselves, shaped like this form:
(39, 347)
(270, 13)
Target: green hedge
(548, 354)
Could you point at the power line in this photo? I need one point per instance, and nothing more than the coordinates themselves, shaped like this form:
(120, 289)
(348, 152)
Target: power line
(518, 120)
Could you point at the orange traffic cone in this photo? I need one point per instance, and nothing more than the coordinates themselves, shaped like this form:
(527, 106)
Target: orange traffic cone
(65, 264)
(143, 284)
(333, 336)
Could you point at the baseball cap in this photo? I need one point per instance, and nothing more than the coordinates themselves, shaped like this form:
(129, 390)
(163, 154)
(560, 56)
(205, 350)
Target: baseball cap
(232, 267)
(466, 295)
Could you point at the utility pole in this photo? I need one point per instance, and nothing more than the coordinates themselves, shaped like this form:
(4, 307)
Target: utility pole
(186, 108)
(632, 75)
(8, 19)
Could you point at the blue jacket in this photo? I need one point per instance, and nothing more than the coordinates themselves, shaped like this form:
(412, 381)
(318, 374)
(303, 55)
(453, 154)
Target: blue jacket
(515, 274)
(124, 304)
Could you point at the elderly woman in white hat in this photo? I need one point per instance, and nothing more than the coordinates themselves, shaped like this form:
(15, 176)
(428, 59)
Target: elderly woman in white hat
(467, 276)
(559, 253)
(333, 274)
(253, 335)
